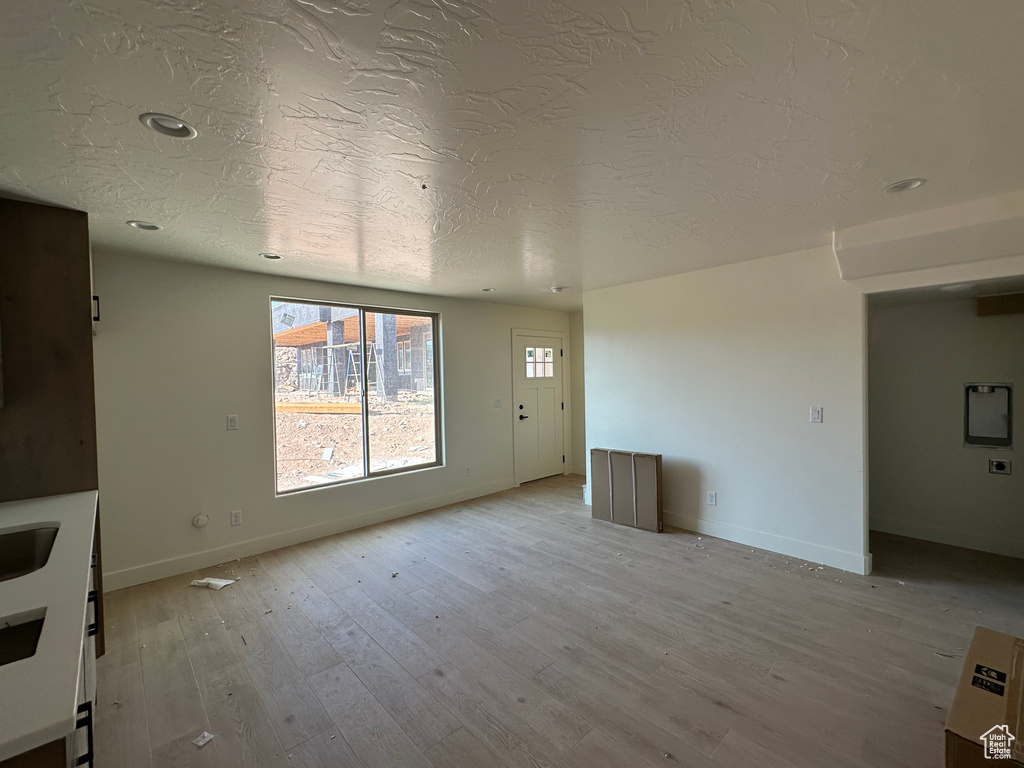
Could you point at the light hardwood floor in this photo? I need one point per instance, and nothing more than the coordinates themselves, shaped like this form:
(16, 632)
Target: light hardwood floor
(520, 632)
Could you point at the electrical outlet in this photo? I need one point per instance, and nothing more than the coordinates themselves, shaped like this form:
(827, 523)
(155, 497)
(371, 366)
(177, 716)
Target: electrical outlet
(236, 517)
(233, 421)
(497, 402)
(817, 414)
(712, 499)
(467, 469)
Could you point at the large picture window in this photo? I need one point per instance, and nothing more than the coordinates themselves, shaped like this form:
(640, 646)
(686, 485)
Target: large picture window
(354, 392)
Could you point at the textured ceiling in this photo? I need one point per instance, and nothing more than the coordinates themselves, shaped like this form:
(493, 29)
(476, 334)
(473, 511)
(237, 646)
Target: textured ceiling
(583, 143)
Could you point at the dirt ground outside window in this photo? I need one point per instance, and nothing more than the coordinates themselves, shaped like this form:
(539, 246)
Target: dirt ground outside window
(401, 435)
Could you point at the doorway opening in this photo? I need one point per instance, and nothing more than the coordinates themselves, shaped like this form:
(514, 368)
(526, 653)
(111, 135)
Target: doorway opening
(943, 365)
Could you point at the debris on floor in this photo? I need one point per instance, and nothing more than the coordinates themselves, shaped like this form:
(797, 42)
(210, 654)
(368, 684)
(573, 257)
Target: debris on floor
(212, 583)
(394, 574)
(202, 739)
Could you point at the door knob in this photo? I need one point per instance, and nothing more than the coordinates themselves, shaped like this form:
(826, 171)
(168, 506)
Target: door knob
(521, 417)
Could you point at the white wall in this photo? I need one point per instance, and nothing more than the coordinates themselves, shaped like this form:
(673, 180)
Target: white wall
(579, 398)
(717, 371)
(179, 347)
(924, 482)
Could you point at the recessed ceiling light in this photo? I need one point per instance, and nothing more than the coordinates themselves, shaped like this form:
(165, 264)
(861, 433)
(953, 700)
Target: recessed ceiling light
(487, 290)
(557, 288)
(271, 256)
(168, 125)
(146, 225)
(903, 186)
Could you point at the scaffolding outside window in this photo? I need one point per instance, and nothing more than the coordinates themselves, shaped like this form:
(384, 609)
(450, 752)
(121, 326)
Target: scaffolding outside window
(354, 392)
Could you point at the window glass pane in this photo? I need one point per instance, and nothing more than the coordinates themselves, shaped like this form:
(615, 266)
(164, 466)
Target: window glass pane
(549, 353)
(529, 370)
(529, 354)
(549, 370)
(401, 407)
(318, 420)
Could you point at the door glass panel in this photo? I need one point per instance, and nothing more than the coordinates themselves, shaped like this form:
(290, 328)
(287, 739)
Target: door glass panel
(540, 363)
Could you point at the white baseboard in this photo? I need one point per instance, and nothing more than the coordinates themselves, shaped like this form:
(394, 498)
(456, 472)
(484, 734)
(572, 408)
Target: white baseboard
(194, 561)
(1002, 545)
(803, 550)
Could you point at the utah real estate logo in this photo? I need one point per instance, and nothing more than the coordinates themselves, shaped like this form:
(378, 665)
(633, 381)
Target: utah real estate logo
(997, 742)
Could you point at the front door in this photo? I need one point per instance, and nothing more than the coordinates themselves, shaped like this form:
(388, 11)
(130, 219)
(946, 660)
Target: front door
(538, 406)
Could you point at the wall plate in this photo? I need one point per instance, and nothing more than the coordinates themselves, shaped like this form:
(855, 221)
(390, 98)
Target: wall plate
(999, 467)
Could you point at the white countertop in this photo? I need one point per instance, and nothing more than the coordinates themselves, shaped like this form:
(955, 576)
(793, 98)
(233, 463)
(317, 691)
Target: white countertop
(38, 695)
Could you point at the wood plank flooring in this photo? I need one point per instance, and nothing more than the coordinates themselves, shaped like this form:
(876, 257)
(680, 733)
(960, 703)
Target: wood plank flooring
(521, 633)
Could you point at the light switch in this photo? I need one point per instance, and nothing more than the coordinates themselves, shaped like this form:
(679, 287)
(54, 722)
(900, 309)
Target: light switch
(817, 414)
(497, 402)
(233, 421)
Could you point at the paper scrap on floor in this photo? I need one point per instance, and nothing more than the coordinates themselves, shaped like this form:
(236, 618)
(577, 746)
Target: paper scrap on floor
(212, 583)
(202, 738)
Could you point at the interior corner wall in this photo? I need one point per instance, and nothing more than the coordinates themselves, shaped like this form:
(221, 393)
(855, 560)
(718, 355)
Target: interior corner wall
(717, 371)
(181, 346)
(925, 483)
(578, 396)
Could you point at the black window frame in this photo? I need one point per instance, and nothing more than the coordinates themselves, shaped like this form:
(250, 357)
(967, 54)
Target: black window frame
(436, 388)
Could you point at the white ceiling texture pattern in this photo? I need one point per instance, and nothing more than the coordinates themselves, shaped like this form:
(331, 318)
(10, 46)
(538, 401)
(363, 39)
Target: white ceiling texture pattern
(443, 146)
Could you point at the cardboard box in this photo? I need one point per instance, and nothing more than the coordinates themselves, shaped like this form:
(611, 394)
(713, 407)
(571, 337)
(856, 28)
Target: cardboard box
(985, 727)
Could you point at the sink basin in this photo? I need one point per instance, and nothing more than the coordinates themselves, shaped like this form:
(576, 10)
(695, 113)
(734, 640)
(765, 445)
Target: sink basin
(19, 635)
(22, 552)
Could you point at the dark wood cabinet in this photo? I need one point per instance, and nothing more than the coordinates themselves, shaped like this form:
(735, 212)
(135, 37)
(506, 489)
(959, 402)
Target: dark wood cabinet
(48, 412)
